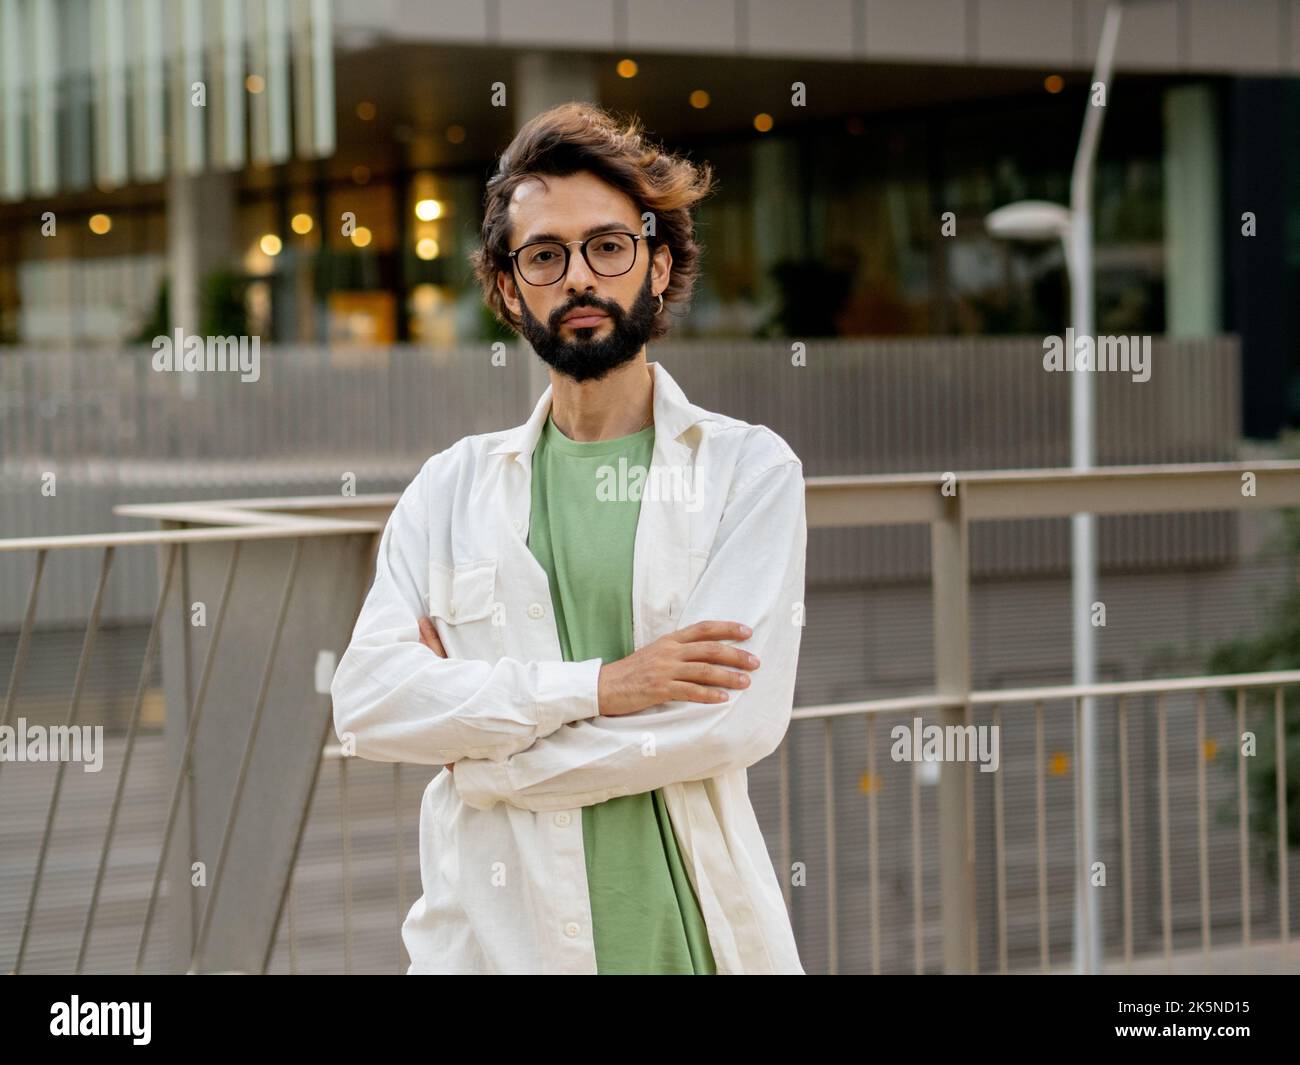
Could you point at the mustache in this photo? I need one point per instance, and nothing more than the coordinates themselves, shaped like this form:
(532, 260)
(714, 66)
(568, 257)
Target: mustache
(608, 306)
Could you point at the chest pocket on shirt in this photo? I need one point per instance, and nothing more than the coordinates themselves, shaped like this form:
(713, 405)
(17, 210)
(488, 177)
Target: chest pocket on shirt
(462, 602)
(666, 600)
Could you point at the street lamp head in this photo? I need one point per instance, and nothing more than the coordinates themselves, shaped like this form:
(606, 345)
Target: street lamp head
(1029, 220)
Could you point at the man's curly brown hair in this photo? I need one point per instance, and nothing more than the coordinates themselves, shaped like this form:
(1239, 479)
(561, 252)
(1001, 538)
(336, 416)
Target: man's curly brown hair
(578, 137)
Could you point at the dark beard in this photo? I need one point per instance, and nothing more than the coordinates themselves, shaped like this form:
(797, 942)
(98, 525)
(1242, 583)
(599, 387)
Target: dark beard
(583, 358)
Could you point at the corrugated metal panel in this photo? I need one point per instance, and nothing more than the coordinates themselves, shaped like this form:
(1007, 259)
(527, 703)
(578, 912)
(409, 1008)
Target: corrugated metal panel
(859, 406)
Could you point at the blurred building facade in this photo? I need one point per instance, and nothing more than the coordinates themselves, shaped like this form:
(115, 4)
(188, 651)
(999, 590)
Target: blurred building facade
(328, 187)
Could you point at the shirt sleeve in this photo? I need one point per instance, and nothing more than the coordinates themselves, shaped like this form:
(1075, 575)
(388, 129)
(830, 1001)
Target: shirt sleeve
(399, 701)
(754, 575)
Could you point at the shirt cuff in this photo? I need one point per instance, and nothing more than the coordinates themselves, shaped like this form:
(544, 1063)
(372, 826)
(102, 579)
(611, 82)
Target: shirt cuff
(567, 691)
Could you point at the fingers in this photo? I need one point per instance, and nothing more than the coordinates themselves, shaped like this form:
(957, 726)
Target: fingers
(428, 634)
(699, 676)
(702, 673)
(713, 630)
(429, 637)
(694, 693)
(722, 653)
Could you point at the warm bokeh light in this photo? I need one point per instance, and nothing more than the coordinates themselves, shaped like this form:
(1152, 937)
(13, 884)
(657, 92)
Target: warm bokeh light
(301, 224)
(270, 244)
(254, 83)
(426, 248)
(763, 122)
(1053, 83)
(100, 224)
(627, 68)
(361, 237)
(456, 134)
(365, 110)
(700, 99)
(361, 174)
(428, 210)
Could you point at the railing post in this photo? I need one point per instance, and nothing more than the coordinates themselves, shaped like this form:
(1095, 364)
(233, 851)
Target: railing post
(950, 590)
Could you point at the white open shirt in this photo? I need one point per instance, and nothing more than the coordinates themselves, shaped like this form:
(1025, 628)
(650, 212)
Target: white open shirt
(502, 861)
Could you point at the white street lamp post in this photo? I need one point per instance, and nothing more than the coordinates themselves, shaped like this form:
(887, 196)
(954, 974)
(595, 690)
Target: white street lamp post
(1039, 220)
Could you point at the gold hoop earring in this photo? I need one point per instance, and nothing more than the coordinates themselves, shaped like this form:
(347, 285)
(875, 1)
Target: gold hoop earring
(661, 303)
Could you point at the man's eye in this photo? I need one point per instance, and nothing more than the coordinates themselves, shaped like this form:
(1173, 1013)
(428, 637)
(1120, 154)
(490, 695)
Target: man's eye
(541, 256)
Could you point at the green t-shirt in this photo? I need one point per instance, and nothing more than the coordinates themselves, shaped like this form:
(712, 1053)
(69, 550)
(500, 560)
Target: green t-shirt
(645, 914)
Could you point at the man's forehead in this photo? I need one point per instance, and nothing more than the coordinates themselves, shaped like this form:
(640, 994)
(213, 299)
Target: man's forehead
(552, 204)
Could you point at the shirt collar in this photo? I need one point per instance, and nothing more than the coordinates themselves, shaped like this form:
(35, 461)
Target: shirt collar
(673, 415)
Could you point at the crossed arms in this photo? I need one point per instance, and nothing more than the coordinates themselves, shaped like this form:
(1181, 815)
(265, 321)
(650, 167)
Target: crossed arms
(531, 734)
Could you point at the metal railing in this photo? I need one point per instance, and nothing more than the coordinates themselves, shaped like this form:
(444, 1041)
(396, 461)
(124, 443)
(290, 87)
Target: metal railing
(237, 527)
(219, 779)
(1073, 695)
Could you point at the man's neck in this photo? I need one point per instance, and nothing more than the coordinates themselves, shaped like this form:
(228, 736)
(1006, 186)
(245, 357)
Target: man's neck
(616, 405)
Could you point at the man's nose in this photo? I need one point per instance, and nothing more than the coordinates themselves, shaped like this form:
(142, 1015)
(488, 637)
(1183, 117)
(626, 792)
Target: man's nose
(579, 276)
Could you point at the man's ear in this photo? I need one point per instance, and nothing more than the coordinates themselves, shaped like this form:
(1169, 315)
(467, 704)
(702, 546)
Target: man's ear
(661, 268)
(509, 293)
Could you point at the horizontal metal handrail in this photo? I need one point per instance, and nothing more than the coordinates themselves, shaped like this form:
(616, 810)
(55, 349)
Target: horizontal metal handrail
(1005, 696)
(832, 502)
(228, 525)
(220, 534)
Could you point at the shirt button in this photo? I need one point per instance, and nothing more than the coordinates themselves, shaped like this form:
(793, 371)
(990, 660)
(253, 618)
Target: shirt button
(535, 610)
(562, 819)
(451, 608)
(571, 929)
(517, 524)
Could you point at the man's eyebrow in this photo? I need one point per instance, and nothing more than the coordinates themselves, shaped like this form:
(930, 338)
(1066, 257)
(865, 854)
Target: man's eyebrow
(590, 231)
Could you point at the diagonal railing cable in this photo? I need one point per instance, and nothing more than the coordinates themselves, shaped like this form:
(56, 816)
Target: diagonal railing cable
(24, 640)
(146, 669)
(192, 730)
(78, 686)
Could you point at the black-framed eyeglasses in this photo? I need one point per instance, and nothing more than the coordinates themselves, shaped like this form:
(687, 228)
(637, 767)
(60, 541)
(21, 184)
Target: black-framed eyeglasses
(544, 262)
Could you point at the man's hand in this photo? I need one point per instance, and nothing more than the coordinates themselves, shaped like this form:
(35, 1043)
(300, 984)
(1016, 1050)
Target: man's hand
(680, 665)
(429, 637)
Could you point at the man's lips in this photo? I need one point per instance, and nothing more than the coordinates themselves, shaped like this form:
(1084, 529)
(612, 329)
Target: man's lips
(584, 318)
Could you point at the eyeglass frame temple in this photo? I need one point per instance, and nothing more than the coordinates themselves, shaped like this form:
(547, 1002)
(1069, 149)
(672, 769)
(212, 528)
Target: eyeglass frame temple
(568, 255)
